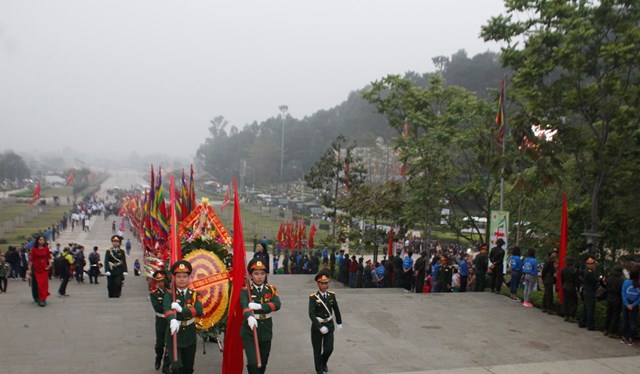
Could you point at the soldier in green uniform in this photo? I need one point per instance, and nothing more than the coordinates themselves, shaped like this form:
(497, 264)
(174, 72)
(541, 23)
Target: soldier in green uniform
(157, 301)
(481, 263)
(322, 306)
(115, 266)
(257, 315)
(589, 294)
(180, 315)
(445, 274)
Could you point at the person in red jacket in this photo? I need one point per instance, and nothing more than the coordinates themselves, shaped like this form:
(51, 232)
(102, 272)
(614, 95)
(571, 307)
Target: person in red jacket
(353, 272)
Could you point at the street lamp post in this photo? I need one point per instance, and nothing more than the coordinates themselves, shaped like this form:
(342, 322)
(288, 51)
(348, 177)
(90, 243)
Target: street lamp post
(283, 111)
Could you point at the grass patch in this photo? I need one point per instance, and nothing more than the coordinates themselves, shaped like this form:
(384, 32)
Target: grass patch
(40, 223)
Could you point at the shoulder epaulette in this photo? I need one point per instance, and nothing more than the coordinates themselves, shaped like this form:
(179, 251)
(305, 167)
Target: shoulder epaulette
(331, 292)
(312, 295)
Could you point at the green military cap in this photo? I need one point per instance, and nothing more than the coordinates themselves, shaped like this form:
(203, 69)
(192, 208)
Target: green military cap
(256, 264)
(159, 275)
(322, 277)
(116, 238)
(182, 266)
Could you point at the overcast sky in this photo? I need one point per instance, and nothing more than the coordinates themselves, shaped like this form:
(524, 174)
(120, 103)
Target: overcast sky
(121, 75)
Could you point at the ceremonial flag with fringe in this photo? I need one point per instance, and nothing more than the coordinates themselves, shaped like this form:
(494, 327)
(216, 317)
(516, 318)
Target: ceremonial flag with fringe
(232, 356)
(192, 192)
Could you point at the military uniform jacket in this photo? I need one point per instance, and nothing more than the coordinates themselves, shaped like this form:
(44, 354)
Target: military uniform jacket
(445, 273)
(590, 283)
(191, 308)
(115, 261)
(270, 300)
(317, 310)
(157, 301)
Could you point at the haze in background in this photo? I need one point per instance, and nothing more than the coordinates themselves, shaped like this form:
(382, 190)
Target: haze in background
(111, 77)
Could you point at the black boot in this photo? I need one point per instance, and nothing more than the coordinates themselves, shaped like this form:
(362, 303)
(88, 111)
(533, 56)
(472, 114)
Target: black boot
(158, 358)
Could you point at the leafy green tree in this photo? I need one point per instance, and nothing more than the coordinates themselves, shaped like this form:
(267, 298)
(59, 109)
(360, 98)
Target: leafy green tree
(334, 174)
(431, 122)
(13, 167)
(376, 201)
(575, 69)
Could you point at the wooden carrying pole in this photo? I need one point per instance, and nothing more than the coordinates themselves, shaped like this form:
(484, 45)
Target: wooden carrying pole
(174, 253)
(255, 330)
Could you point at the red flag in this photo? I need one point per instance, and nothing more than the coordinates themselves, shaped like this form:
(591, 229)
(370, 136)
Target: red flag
(232, 357)
(390, 251)
(281, 233)
(312, 233)
(563, 247)
(70, 179)
(36, 194)
(225, 202)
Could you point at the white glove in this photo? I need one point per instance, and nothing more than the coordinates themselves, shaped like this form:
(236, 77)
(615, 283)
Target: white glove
(108, 274)
(339, 326)
(324, 330)
(175, 306)
(174, 325)
(255, 306)
(125, 273)
(253, 322)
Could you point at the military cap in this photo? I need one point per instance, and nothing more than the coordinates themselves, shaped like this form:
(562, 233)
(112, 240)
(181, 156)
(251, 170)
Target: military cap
(590, 260)
(159, 275)
(256, 264)
(181, 266)
(117, 238)
(322, 276)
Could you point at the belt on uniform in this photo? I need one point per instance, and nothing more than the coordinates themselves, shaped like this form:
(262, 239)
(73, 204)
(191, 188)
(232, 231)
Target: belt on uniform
(187, 322)
(325, 320)
(160, 315)
(263, 316)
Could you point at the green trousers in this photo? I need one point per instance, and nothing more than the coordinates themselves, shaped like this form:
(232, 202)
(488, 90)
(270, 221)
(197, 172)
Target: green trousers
(250, 352)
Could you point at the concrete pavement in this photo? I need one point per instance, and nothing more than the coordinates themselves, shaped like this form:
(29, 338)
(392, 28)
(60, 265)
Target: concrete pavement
(385, 331)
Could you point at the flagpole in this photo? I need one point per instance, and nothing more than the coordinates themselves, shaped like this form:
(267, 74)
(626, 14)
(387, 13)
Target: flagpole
(504, 116)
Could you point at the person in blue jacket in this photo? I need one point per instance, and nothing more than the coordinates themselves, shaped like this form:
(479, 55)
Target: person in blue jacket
(530, 270)
(464, 272)
(630, 302)
(515, 263)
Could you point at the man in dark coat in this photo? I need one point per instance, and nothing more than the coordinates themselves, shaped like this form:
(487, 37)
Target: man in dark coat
(548, 276)
(590, 286)
(614, 302)
(570, 282)
(497, 266)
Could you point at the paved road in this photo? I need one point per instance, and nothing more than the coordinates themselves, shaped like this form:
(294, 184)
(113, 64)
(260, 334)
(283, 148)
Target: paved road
(385, 331)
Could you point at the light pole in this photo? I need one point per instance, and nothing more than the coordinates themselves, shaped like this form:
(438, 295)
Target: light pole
(283, 112)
